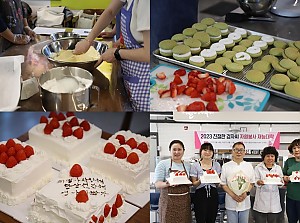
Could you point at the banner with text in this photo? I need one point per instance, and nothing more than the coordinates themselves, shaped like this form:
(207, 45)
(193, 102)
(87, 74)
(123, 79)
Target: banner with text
(225, 140)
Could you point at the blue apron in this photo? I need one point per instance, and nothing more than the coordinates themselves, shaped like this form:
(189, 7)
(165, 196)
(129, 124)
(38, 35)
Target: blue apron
(136, 75)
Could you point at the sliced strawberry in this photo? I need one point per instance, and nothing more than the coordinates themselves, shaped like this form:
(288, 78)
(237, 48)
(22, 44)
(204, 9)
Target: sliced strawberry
(69, 114)
(101, 219)
(174, 91)
(114, 211)
(52, 115)
(21, 155)
(196, 106)
(61, 117)
(220, 88)
(132, 143)
(231, 88)
(210, 96)
(54, 123)
(181, 108)
(121, 153)
(94, 218)
(189, 90)
(11, 162)
(11, 151)
(133, 158)
(121, 139)
(177, 80)
(195, 94)
(3, 148)
(109, 148)
(82, 197)
(76, 171)
(200, 85)
(48, 129)
(203, 75)
(160, 91)
(180, 72)
(18, 147)
(106, 210)
(180, 89)
(67, 130)
(28, 151)
(119, 201)
(85, 125)
(161, 75)
(44, 119)
(78, 133)
(165, 94)
(194, 73)
(74, 122)
(10, 143)
(143, 147)
(211, 106)
(3, 158)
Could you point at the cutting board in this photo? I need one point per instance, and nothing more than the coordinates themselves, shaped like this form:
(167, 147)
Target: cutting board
(245, 98)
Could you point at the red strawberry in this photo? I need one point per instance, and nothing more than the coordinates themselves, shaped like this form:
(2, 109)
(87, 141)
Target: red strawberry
(94, 218)
(52, 114)
(109, 148)
(3, 148)
(74, 122)
(209, 96)
(69, 114)
(85, 125)
(10, 143)
(121, 153)
(231, 87)
(21, 155)
(121, 139)
(180, 72)
(181, 108)
(161, 75)
(11, 151)
(66, 124)
(133, 158)
(48, 129)
(114, 211)
(78, 133)
(67, 130)
(177, 80)
(28, 151)
(180, 89)
(196, 106)
(54, 123)
(82, 197)
(11, 162)
(143, 147)
(106, 210)
(220, 88)
(119, 201)
(18, 147)
(61, 117)
(76, 171)
(165, 94)
(3, 158)
(101, 219)
(177, 173)
(132, 143)
(211, 106)
(44, 119)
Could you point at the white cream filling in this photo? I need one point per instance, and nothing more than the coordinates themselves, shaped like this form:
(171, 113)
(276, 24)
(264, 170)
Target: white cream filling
(242, 56)
(240, 31)
(268, 39)
(224, 30)
(253, 50)
(208, 53)
(217, 47)
(260, 44)
(215, 37)
(188, 54)
(197, 59)
(164, 51)
(195, 49)
(234, 36)
(226, 41)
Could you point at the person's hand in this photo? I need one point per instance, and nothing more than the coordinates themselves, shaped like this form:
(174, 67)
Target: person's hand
(30, 32)
(82, 46)
(21, 39)
(107, 34)
(235, 197)
(242, 197)
(260, 182)
(107, 56)
(167, 184)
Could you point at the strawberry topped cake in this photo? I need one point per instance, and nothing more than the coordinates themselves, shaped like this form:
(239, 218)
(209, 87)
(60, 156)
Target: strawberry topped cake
(78, 196)
(65, 138)
(23, 170)
(178, 177)
(210, 176)
(295, 177)
(124, 159)
(273, 178)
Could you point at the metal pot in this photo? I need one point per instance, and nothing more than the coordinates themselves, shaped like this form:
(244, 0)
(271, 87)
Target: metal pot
(256, 7)
(63, 35)
(77, 101)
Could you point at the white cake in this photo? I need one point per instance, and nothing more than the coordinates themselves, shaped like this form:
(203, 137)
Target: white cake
(65, 150)
(178, 177)
(272, 178)
(295, 177)
(21, 175)
(132, 170)
(59, 201)
(210, 176)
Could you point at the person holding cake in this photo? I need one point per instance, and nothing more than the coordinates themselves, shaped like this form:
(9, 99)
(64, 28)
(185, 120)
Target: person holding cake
(292, 166)
(206, 195)
(174, 201)
(267, 206)
(237, 179)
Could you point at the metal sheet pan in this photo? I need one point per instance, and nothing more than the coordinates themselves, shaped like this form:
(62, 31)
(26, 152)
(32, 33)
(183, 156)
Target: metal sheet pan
(241, 76)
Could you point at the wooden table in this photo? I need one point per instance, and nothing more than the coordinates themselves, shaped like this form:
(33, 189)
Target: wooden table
(112, 92)
(141, 216)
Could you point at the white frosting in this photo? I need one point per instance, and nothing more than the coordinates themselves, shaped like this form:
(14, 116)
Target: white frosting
(253, 50)
(260, 43)
(295, 177)
(216, 37)
(218, 47)
(188, 54)
(242, 56)
(210, 178)
(178, 179)
(208, 53)
(195, 49)
(268, 39)
(240, 31)
(226, 41)
(165, 51)
(197, 59)
(224, 30)
(234, 36)
(272, 179)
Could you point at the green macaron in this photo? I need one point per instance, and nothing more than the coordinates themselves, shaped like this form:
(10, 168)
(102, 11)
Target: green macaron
(280, 44)
(214, 33)
(194, 44)
(239, 48)
(278, 67)
(198, 61)
(263, 66)
(229, 54)
(208, 21)
(291, 53)
(255, 76)
(293, 89)
(189, 32)
(270, 58)
(181, 52)
(203, 37)
(278, 81)
(277, 52)
(199, 26)
(179, 38)
(166, 46)
(294, 73)
(242, 58)
(223, 61)
(287, 63)
(297, 44)
(223, 28)
(234, 67)
(215, 67)
(254, 37)
(246, 42)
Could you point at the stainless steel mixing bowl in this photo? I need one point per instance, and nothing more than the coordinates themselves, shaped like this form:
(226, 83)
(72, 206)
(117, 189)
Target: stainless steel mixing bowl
(69, 44)
(256, 7)
(63, 35)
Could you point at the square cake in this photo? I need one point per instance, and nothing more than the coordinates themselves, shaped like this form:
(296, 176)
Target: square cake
(66, 139)
(77, 196)
(124, 159)
(178, 178)
(273, 178)
(23, 170)
(210, 176)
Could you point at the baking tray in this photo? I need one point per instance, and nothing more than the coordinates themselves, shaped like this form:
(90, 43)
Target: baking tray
(241, 76)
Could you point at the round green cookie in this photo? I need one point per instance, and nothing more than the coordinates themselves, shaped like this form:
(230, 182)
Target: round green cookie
(297, 44)
(229, 54)
(214, 33)
(166, 46)
(254, 37)
(294, 73)
(270, 58)
(278, 81)
(291, 53)
(293, 89)
(239, 48)
(287, 63)
(189, 32)
(203, 37)
(234, 67)
(208, 21)
(197, 61)
(280, 44)
(263, 66)
(255, 76)
(298, 61)
(179, 37)
(246, 43)
(200, 26)
(278, 67)
(194, 44)
(181, 52)
(242, 58)
(223, 27)
(277, 52)
(215, 67)
(223, 61)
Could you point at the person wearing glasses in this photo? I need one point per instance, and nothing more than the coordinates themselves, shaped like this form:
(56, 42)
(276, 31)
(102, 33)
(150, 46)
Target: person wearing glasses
(293, 189)
(206, 195)
(174, 201)
(237, 174)
(267, 206)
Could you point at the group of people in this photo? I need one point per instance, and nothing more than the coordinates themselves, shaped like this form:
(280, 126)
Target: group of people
(175, 201)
